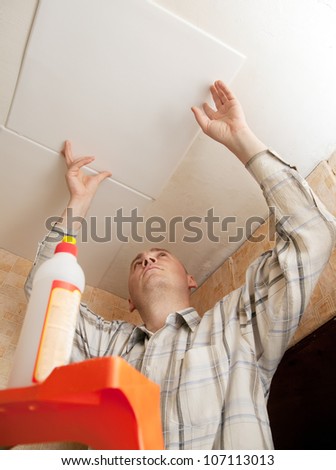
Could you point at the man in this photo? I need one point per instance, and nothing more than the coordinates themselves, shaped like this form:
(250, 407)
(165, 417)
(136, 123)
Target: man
(215, 371)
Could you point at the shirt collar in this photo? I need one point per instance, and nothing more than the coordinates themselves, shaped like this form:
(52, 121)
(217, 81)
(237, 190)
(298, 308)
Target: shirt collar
(187, 316)
(138, 334)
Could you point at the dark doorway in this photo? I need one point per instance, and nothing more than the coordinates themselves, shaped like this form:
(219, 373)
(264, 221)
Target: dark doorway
(302, 402)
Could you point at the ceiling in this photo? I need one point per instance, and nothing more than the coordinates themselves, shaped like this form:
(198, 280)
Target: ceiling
(118, 79)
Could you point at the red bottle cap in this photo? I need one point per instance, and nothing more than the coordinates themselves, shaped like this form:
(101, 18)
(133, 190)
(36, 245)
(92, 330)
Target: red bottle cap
(65, 247)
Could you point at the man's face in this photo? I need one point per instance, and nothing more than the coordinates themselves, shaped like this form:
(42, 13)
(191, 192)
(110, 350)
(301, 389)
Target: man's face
(154, 269)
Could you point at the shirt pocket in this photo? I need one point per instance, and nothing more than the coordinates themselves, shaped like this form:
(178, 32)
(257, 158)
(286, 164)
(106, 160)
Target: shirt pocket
(200, 377)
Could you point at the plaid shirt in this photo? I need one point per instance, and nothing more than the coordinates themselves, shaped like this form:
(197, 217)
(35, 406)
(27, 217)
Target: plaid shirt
(215, 372)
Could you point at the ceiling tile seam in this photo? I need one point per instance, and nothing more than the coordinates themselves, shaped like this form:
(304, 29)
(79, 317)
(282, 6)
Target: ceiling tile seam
(118, 183)
(197, 28)
(23, 60)
(21, 136)
(124, 186)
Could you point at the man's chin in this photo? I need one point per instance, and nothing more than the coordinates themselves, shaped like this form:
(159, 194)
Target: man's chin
(155, 280)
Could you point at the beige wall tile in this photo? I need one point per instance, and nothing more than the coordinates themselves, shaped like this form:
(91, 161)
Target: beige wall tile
(22, 267)
(219, 284)
(102, 297)
(7, 260)
(3, 349)
(8, 304)
(87, 294)
(323, 182)
(332, 260)
(7, 327)
(3, 275)
(15, 280)
(5, 368)
(327, 280)
(332, 162)
(13, 292)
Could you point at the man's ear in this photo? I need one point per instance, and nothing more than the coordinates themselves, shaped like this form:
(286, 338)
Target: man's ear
(131, 305)
(192, 284)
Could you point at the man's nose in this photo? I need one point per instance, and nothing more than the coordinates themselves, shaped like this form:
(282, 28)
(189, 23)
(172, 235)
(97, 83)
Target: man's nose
(149, 259)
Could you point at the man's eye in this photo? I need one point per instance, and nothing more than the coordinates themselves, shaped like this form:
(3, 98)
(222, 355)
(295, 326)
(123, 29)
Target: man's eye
(162, 254)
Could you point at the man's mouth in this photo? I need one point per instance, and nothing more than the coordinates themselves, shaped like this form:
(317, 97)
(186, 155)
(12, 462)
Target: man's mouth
(150, 268)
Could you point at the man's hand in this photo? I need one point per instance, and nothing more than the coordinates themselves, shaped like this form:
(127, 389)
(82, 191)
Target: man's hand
(82, 189)
(223, 123)
(81, 186)
(227, 124)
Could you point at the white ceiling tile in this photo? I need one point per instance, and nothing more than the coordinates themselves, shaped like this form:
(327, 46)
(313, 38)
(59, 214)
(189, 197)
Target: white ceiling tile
(118, 78)
(15, 22)
(33, 189)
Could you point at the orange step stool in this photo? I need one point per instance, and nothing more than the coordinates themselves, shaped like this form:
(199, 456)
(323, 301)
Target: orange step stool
(104, 403)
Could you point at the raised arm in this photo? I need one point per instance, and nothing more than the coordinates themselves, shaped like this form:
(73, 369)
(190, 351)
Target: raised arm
(278, 285)
(82, 189)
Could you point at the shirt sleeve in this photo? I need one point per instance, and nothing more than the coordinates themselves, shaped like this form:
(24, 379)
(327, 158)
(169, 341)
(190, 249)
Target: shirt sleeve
(97, 337)
(279, 283)
(45, 250)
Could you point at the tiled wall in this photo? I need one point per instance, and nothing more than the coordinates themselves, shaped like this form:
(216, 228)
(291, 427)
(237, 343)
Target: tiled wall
(322, 306)
(13, 271)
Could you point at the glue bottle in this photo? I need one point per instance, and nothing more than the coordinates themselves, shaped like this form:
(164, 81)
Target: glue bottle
(49, 326)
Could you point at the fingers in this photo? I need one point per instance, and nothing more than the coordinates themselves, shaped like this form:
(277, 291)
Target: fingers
(209, 111)
(67, 152)
(223, 91)
(102, 176)
(69, 158)
(74, 165)
(215, 96)
(201, 118)
(80, 162)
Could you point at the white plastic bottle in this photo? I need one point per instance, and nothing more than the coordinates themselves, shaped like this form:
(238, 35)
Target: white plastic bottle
(49, 326)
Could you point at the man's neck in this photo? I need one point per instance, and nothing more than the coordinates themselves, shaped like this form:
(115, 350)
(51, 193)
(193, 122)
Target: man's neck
(155, 313)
